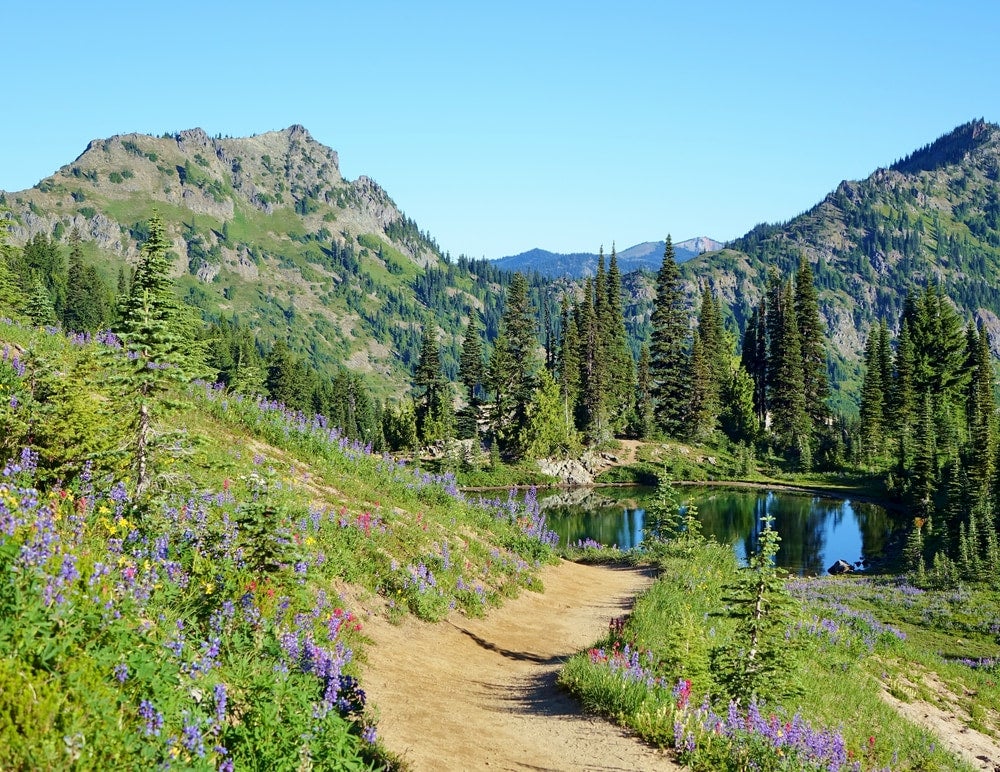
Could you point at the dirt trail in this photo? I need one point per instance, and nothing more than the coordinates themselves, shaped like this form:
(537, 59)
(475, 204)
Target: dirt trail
(470, 694)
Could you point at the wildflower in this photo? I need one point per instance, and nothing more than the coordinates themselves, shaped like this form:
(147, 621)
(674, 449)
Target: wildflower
(121, 672)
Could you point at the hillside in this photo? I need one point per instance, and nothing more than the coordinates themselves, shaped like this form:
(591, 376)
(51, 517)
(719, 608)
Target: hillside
(934, 216)
(266, 232)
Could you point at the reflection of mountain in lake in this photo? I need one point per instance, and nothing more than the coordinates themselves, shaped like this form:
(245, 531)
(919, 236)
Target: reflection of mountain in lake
(814, 531)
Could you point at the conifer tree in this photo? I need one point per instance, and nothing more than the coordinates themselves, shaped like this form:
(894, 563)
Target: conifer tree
(904, 396)
(668, 339)
(621, 365)
(592, 412)
(471, 372)
(433, 406)
(39, 308)
(872, 410)
(702, 405)
(786, 398)
(644, 420)
(512, 369)
(87, 297)
(739, 416)
(815, 380)
(981, 411)
(568, 365)
(754, 359)
(470, 366)
(151, 329)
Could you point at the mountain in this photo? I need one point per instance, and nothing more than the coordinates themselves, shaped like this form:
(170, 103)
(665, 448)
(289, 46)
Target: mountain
(648, 256)
(266, 232)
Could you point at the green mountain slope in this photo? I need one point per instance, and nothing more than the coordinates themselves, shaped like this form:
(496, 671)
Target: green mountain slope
(266, 231)
(933, 216)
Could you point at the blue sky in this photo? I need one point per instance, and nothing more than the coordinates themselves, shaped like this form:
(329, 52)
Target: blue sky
(500, 127)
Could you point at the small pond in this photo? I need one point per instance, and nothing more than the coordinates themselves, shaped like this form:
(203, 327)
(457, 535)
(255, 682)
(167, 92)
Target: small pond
(815, 531)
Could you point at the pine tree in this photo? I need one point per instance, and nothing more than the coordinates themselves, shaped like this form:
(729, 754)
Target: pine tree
(904, 396)
(621, 365)
(815, 379)
(471, 372)
(87, 298)
(981, 411)
(789, 420)
(668, 339)
(545, 434)
(702, 405)
(872, 408)
(152, 331)
(754, 359)
(433, 405)
(568, 365)
(739, 417)
(512, 369)
(643, 396)
(39, 308)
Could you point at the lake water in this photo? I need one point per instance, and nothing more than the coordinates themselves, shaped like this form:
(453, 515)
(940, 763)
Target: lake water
(815, 531)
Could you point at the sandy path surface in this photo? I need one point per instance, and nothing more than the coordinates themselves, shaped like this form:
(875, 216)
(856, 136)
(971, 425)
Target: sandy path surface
(469, 694)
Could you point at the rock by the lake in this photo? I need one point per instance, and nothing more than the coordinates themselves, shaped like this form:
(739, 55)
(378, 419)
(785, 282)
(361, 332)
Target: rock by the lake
(840, 567)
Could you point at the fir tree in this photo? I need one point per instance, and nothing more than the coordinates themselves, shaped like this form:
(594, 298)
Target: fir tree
(787, 400)
(668, 339)
(621, 365)
(152, 330)
(434, 412)
(39, 308)
(815, 380)
(702, 404)
(568, 365)
(872, 410)
(513, 367)
(643, 396)
(471, 372)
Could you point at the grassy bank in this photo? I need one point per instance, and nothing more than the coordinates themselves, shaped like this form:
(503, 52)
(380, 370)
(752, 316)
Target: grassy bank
(848, 644)
(215, 624)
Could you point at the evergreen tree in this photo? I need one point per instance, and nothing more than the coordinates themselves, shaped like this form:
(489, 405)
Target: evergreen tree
(787, 399)
(981, 411)
(643, 396)
(668, 338)
(471, 372)
(40, 309)
(815, 380)
(568, 365)
(87, 297)
(288, 379)
(152, 331)
(621, 365)
(546, 434)
(872, 410)
(739, 416)
(513, 366)
(904, 396)
(593, 405)
(702, 405)
(433, 405)
(754, 359)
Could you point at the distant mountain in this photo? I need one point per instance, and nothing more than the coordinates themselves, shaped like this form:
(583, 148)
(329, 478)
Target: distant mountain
(648, 255)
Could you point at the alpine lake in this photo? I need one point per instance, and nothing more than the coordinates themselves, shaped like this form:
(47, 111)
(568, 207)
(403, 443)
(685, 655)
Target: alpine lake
(815, 531)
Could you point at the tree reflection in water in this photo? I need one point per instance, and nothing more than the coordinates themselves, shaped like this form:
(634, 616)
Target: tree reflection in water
(815, 531)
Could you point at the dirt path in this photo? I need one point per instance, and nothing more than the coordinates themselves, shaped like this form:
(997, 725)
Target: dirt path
(480, 693)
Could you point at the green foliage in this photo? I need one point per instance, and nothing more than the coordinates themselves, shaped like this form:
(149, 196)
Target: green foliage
(754, 663)
(668, 337)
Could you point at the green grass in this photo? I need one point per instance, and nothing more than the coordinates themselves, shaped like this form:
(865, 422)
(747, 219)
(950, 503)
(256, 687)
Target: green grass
(887, 635)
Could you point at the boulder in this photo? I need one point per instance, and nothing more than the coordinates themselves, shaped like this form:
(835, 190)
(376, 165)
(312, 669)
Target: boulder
(840, 567)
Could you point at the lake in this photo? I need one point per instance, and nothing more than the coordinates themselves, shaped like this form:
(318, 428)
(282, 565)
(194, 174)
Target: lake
(815, 531)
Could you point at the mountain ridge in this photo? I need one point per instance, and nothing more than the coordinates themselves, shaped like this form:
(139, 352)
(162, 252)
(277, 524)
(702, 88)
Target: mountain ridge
(647, 255)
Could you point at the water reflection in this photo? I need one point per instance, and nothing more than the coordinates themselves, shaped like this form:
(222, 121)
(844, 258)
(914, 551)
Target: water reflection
(815, 532)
